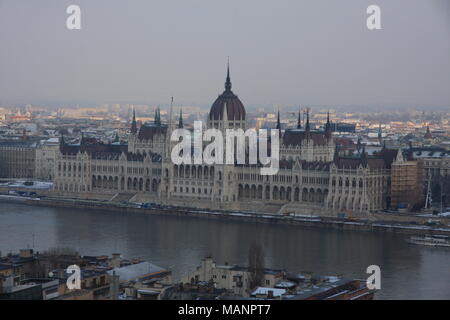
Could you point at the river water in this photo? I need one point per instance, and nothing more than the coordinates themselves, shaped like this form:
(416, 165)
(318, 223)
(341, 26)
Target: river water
(179, 243)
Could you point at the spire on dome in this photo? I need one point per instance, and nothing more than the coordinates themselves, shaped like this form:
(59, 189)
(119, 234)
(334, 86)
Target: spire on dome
(228, 80)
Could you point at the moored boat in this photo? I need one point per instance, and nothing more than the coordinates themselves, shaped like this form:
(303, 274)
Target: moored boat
(431, 240)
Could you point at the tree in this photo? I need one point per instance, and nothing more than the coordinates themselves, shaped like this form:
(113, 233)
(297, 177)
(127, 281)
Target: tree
(60, 258)
(255, 265)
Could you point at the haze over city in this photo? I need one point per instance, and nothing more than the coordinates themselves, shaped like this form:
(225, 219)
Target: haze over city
(243, 153)
(283, 53)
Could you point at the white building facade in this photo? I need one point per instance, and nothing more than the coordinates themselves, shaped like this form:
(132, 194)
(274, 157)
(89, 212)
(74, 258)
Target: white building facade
(313, 177)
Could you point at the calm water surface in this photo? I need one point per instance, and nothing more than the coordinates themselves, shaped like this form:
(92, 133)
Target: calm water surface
(179, 243)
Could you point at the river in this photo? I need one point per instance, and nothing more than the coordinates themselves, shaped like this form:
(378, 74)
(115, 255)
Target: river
(179, 243)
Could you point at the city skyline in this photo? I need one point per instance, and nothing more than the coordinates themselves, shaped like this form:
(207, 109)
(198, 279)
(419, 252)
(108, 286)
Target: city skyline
(241, 152)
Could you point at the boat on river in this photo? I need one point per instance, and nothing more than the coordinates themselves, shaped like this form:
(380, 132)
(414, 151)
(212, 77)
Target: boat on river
(431, 240)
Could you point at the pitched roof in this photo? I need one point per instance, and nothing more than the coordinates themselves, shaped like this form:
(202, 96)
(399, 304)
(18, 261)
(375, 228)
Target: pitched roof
(148, 131)
(137, 271)
(294, 137)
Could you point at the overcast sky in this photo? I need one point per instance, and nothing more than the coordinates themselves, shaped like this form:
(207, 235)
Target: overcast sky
(282, 52)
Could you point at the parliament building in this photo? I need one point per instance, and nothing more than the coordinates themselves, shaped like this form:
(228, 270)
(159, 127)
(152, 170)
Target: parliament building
(313, 178)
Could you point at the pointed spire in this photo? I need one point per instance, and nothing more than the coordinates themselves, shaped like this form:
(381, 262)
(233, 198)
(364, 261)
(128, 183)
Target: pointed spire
(180, 120)
(410, 151)
(278, 121)
(428, 133)
(328, 126)
(307, 125)
(364, 156)
(133, 123)
(62, 141)
(157, 117)
(170, 114)
(380, 133)
(116, 138)
(228, 80)
(336, 154)
(359, 144)
(299, 120)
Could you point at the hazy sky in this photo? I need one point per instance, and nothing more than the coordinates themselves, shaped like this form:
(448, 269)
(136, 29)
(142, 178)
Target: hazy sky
(294, 52)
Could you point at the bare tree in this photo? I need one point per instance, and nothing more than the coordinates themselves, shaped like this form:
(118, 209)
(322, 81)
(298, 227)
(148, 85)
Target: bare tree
(255, 265)
(60, 257)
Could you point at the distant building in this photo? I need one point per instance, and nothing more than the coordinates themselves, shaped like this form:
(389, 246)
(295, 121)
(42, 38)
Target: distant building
(211, 281)
(312, 178)
(231, 277)
(46, 159)
(406, 183)
(18, 158)
(343, 127)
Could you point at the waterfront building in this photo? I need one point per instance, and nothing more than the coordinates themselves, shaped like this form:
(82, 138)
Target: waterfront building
(313, 176)
(45, 159)
(231, 277)
(407, 184)
(18, 158)
(233, 282)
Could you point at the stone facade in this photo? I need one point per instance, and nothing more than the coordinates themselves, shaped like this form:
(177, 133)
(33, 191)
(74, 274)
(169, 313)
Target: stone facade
(109, 169)
(407, 183)
(18, 159)
(231, 277)
(45, 159)
(313, 177)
